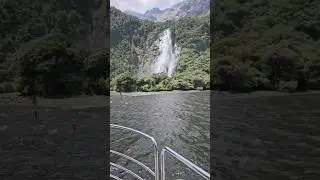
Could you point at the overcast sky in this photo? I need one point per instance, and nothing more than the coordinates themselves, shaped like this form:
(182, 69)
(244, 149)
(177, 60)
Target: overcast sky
(142, 6)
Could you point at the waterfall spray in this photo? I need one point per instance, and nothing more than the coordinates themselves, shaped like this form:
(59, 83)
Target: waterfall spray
(169, 55)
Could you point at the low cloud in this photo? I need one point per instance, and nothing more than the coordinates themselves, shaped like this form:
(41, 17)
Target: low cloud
(142, 6)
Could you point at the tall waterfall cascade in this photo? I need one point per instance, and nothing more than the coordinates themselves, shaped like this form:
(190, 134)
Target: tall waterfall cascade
(167, 61)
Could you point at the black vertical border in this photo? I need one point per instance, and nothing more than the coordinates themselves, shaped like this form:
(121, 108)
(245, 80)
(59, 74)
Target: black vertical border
(107, 133)
(212, 15)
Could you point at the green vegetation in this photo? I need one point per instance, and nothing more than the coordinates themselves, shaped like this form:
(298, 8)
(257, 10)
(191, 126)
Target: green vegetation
(51, 48)
(132, 47)
(266, 45)
(257, 45)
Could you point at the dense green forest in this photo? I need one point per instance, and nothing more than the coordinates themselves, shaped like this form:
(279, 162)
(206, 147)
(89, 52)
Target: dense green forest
(53, 47)
(255, 45)
(266, 45)
(132, 46)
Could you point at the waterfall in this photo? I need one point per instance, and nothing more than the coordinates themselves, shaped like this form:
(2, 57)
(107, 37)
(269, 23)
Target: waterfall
(169, 54)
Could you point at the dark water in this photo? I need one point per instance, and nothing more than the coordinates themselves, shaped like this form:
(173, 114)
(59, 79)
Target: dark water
(179, 121)
(254, 136)
(45, 149)
(266, 137)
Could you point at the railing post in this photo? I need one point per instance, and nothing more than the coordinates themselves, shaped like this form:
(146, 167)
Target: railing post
(185, 161)
(156, 161)
(155, 146)
(162, 164)
(160, 174)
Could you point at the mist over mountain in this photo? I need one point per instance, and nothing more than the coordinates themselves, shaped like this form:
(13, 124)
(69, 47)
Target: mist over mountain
(140, 15)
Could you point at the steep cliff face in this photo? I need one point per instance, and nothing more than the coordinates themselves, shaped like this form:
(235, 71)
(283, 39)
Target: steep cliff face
(100, 25)
(141, 46)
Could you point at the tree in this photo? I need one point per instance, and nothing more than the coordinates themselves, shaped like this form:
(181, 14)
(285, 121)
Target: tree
(125, 83)
(97, 72)
(51, 67)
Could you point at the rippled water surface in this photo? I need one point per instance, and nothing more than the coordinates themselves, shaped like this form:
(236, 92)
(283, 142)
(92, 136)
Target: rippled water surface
(180, 121)
(266, 136)
(254, 136)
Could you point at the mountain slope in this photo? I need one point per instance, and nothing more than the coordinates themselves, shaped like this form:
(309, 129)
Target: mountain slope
(134, 46)
(266, 45)
(144, 16)
(186, 8)
(38, 22)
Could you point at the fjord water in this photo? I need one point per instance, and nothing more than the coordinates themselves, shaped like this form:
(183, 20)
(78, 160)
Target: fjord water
(177, 120)
(266, 136)
(254, 136)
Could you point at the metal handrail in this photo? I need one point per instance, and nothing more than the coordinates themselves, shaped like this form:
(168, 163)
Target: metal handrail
(115, 177)
(127, 170)
(156, 172)
(182, 159)
(134, 160)
(155, 146)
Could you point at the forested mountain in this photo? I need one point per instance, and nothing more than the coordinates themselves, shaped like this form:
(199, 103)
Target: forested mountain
(266, 44)
(185, 8)
(134, 46)
(40, 36)
(256, 45)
